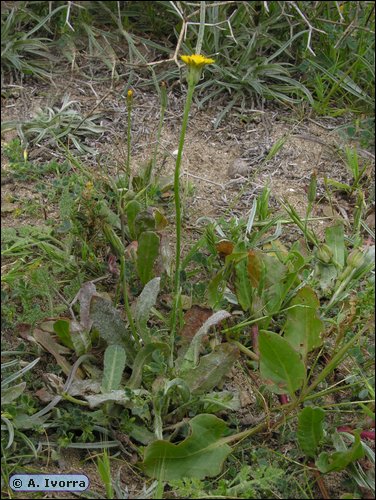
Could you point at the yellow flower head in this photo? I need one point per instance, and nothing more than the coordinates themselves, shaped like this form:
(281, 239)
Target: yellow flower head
(130, 93)
(196, 60)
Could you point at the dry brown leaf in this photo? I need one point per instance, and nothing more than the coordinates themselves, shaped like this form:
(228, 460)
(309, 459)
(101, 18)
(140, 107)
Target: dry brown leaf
(193, 321)
(47, 342)
(225, 247)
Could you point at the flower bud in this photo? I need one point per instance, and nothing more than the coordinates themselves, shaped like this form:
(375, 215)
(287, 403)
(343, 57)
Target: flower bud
(355, 259)
(324, 254)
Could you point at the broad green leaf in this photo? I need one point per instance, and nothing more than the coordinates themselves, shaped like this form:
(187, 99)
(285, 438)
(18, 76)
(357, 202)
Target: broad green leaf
(25, 421)
(217, 401)
(147, 252)
(212, 369)
(274, 283)
(61, 328)
(255, 266)
(11, 393)
(243, 286)
(145, 302)
(310, 429)
(303, 327)
(113, 367)
(339, 460)
(338, 185)
(144, 221)
(335, 239)
(326, 275)
(111, 327)
(280, 365)
(141, 434)
(160, 220)
(191, 356)
(133, 208)
(200, 455)
(143, 356)
(108, 215)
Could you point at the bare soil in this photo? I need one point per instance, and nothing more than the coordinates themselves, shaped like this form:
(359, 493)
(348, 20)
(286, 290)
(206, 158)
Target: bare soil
(224, 168)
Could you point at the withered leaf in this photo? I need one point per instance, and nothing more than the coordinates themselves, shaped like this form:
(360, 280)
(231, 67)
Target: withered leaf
(225, 247)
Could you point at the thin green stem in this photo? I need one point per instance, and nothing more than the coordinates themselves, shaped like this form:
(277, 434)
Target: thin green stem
(129, 125)
(126, 300)
(245, 350)
(178, 215)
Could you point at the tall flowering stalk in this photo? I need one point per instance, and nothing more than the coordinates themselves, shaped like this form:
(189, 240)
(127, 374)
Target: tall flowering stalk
(195, 64)
(129, 125)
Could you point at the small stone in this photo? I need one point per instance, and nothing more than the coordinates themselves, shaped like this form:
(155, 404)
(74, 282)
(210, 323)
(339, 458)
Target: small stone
(238, 167)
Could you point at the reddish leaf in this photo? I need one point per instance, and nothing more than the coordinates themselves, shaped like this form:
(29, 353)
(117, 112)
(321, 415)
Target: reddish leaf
(193, 321)
(225, 247)
(255, 265)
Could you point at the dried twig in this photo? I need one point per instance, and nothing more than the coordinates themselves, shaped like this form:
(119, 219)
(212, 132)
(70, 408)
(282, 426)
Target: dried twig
(311, 28)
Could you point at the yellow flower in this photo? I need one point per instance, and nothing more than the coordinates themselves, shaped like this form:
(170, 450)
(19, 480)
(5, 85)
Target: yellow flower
(130, 93)
(196, 60)
(25, 154)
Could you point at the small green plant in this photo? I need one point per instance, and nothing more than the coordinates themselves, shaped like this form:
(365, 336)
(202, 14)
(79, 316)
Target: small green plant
(21, 50)
(355, 169)
(59, 125)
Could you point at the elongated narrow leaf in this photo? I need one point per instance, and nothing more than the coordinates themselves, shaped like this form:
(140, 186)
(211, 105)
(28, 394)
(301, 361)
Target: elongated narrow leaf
(212, 369)
(243, 286)
(216, 289)
(19, 373)
(108, 215)
(114, 364)
(147, 252)
(133, 209)
(251, 217)
(86, 293)
(111, 327)
(200, 455)
(303, 327)
(192, 354)
(48, 342)
(119, 396)
(61, 328)
(335, 239)
(80, 337)
(11, 393)
(255, 267)
(280, 365)
(145, 302)
(310, 429)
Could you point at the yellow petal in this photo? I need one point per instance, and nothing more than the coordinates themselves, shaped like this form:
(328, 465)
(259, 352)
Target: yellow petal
(197, 60)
